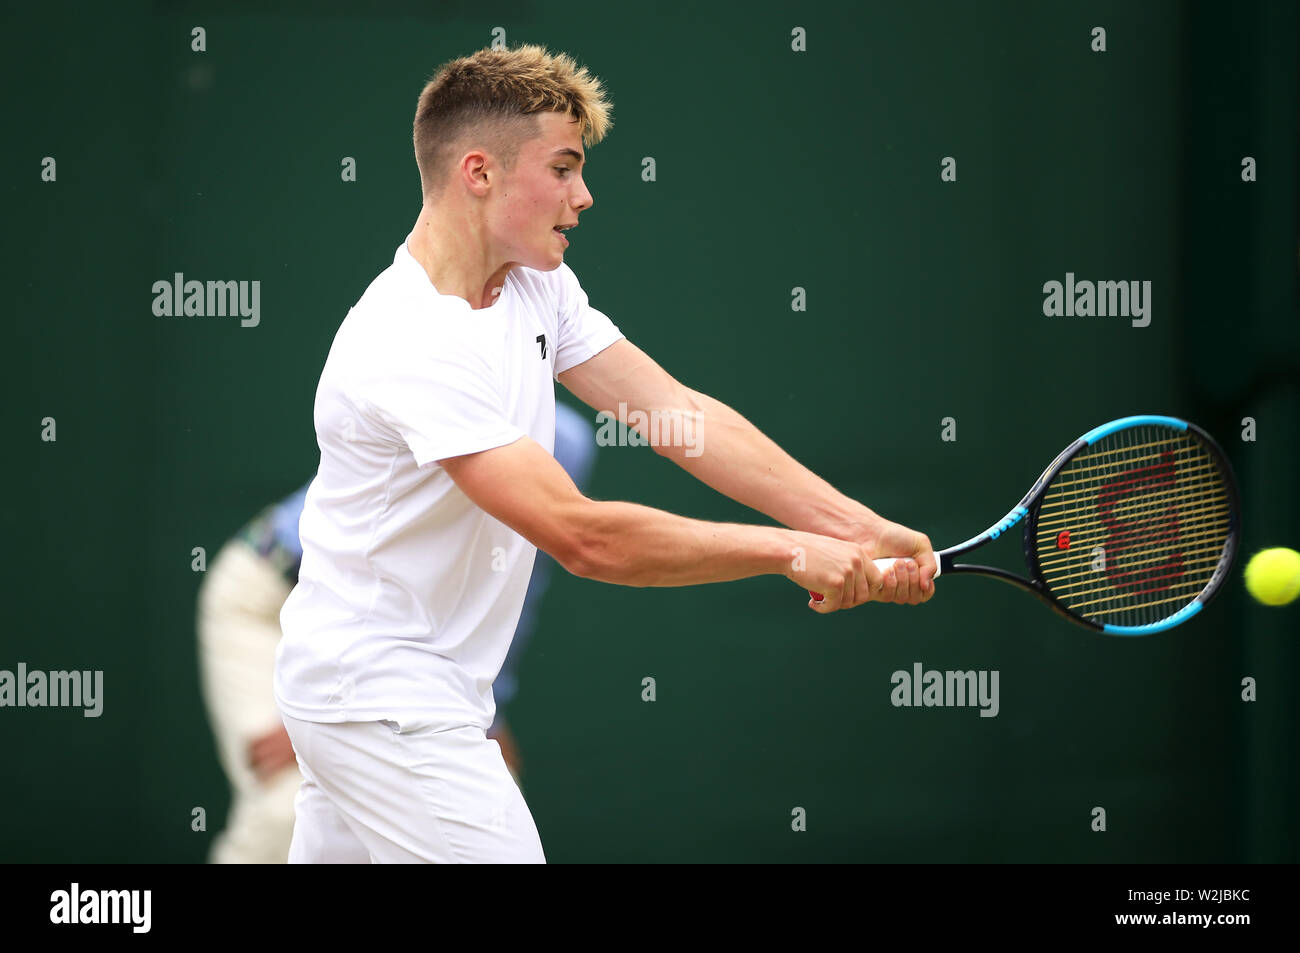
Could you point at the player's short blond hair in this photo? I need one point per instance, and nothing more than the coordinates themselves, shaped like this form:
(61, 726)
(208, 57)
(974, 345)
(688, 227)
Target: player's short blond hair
(491, 99)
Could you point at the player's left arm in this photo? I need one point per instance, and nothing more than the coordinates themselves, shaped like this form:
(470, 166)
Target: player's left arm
(718, 446)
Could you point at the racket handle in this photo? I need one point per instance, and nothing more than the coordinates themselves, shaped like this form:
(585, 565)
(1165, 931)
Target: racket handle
(882, 564)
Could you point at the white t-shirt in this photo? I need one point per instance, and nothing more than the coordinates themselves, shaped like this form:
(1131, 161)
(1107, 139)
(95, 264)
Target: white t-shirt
(409, 594)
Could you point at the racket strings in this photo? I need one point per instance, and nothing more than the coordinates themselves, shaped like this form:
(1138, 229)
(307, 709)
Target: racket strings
(1139, 521)
(1183, 593)
(1085, 583)
(1136, 524)
(1082, 497)
(1182, 600)
(1119, 489)
(1145, 525)
(1208, 515)
(1064, 569)
(1131, 453)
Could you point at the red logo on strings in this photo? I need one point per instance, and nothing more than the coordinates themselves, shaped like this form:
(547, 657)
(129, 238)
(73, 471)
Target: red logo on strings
(1157, 528)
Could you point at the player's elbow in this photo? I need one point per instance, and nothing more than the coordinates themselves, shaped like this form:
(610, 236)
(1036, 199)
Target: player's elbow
(589, 548)
(577, 563)
(568, 552)
(567, 542)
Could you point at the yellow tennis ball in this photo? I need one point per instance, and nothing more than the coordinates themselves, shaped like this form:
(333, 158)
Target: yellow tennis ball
(1273, 575)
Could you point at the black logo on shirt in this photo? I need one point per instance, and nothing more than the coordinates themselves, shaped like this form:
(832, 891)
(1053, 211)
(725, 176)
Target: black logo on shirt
(541, 339)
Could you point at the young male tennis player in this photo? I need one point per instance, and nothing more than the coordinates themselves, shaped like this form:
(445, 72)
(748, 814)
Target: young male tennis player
(435, 417)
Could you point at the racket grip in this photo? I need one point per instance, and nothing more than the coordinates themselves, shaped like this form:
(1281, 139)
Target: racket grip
(882, 564)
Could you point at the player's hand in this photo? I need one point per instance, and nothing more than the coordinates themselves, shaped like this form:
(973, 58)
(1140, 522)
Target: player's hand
(271, 753)
(504, 737)
(914, 572)
(841, 571)
(912, 580)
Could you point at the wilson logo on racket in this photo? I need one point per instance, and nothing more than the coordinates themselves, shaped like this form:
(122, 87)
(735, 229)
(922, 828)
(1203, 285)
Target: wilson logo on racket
(1147, 494)
(1008, 521)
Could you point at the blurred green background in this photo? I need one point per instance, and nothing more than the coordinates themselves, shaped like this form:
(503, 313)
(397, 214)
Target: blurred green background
(776, 169)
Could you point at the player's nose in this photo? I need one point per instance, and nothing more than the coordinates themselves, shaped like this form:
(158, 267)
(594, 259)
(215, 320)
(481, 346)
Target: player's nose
(585, 200)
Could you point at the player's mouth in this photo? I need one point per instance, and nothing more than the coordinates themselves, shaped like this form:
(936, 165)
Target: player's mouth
(561, 229)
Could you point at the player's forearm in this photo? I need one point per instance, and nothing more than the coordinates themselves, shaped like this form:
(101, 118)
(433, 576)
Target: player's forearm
(738, 460)
(633, 545)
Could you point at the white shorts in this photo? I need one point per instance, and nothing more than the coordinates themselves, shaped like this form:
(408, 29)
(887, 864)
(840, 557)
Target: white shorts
(372, 794)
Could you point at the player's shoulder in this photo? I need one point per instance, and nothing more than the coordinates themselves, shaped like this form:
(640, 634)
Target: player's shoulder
(400, 291)
(401, 313)
(394, 320)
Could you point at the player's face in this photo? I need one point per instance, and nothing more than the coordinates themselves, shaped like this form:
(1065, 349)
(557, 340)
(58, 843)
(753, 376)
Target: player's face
(544, 194)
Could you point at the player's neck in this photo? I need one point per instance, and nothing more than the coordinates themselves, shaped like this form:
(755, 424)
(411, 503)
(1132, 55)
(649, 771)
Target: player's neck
(461, 267)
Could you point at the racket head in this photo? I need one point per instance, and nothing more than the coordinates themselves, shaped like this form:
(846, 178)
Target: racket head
(1134, 528)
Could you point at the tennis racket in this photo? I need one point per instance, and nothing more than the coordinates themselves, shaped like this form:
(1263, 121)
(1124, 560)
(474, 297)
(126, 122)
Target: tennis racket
(1131, 530)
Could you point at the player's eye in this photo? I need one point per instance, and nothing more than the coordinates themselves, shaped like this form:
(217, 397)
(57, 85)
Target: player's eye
(561, 168)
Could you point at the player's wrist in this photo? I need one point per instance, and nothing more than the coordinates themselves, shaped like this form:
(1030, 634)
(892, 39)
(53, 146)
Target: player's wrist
(790, 555)
(853, 522)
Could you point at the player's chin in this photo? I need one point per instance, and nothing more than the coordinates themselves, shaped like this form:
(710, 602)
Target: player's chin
(555, 250)
(548, 262)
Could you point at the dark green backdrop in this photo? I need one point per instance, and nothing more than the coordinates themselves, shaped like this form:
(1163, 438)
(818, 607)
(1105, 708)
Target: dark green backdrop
(776, 169)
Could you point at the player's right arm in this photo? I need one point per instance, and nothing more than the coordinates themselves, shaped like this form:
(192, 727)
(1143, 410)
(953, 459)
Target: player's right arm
(524, 487)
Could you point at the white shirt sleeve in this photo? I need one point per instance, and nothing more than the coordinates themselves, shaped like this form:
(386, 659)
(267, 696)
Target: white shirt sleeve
(583, 331)
(443, 404)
